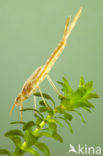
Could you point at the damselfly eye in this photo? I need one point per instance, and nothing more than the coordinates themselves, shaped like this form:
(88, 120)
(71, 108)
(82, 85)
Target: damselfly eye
(18, 100)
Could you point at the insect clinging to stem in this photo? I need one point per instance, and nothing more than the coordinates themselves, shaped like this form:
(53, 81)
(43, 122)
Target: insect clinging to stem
(32, 84)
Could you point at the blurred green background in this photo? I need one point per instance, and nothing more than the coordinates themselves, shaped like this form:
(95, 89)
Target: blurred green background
(29, 32)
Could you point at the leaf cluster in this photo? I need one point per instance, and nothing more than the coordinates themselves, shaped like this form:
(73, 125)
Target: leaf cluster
(27, 139)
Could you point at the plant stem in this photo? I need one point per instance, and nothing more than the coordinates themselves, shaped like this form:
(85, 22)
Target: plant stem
(42, 124)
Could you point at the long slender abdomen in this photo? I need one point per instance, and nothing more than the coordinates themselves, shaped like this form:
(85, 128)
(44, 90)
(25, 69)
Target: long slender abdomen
(50, 62)
(54, 56)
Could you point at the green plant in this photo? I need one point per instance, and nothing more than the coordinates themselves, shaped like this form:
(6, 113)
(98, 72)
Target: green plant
(47, 119)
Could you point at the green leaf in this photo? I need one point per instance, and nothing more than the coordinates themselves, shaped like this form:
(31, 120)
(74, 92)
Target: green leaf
(43, 109)
(18, 152)
(28, 125)
(16, 140)
(69, 89)
(32, 109)
(78, 94)
(42, 103)
(52, 128)
(61, 83)
(30, 138)
(80, 116)
(88, 104)
(89, 85)
(87, 109)
(70, 127)
(67, 116)
(38, 119)
(14, 132)
(58, 110)
(56, 121)
(66, 87)
(32, 151)
(65, 102)
(18, 122)
(41, 134)
(56, 136)
(45, 96)
(81, 82)
(43, 147)
(82, 103)
(44, 129)
(92, 95)
(4, 151)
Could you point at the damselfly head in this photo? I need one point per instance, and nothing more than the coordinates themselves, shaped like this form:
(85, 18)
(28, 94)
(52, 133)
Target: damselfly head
(18, 100)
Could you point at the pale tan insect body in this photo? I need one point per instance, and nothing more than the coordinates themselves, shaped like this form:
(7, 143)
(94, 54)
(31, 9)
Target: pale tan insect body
(31, 85)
